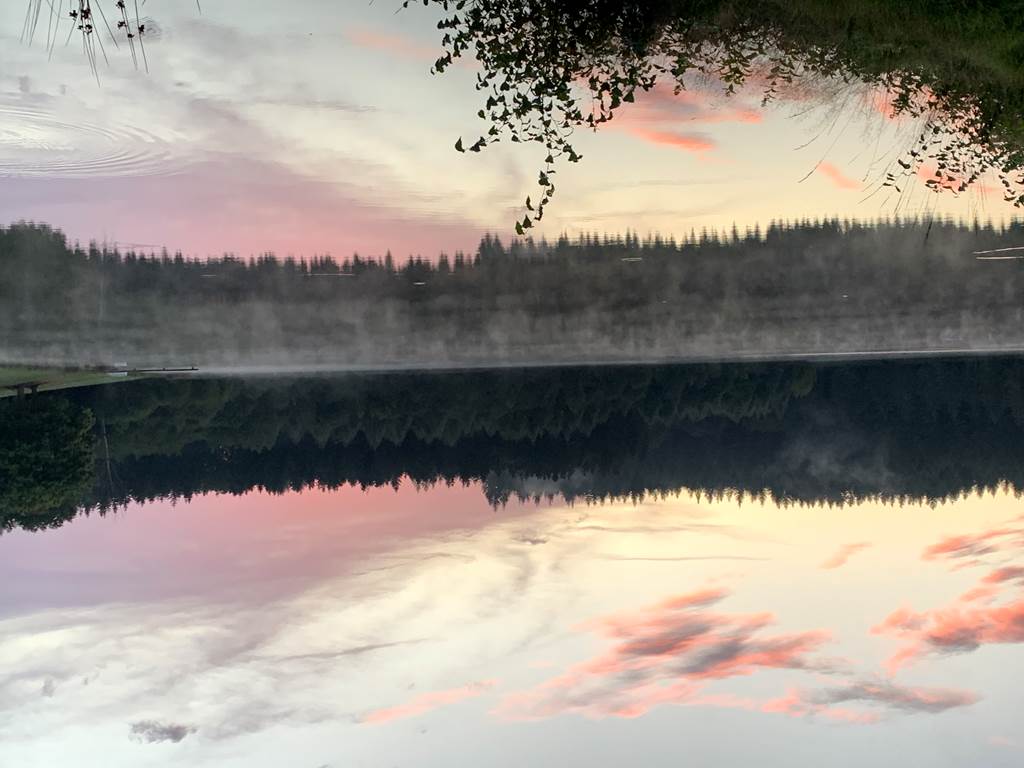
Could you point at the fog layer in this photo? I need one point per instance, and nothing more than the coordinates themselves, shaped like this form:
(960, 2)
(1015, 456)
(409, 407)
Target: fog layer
(814, 289)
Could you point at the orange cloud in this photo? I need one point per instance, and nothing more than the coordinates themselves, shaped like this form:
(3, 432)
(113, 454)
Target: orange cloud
(427, 702)
(843, 554)
(837, 177)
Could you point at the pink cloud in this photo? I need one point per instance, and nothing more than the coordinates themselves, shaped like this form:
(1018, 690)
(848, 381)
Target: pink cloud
(663, 654)
(844, 553)
(935, 179)
(837, 177)
(794, 704)
(884, 103)
(392, 44)
(970, 546)
(973, 620)
(666, 653)
(1008, 573)
(1002, 741)
(658, 117)
(983, 592)
(688, 142)
(403, 47)
(663, 105)
(427, 702)
(958, 629)
(823, 703)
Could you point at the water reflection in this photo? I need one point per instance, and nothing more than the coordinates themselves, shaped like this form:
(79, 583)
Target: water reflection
(184, 155)
(47, 138)
(406, 626)
(501, 566)
(720, 564)
(907, 430)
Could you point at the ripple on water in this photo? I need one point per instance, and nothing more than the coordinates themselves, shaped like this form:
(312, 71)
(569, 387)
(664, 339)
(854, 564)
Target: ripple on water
(37, 142)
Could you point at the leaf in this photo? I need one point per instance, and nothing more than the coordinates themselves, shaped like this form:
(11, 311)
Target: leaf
(458, 145)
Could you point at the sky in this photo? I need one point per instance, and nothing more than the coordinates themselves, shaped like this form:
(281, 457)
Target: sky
(316, 127)
(408, 626)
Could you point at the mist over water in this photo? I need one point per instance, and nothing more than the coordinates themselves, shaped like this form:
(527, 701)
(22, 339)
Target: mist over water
(814, 290)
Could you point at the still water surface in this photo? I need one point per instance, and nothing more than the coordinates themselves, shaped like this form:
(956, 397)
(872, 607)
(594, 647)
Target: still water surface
(789, 564)
(376, 620)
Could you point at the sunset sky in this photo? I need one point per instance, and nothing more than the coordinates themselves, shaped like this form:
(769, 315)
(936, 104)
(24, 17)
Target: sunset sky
(392, 627)
(316, 127)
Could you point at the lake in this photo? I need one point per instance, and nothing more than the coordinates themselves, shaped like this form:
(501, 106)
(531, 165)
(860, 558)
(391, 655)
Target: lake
(511, 383)
(509, 567)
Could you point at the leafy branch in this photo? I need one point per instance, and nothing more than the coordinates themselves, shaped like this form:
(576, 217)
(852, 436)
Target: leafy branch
(549, 67)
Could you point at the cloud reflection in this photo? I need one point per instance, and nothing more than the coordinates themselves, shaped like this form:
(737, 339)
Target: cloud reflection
(153, 732)
(885, 693)
(427, 702)
(662, 654)
(843, 554)
(977, 617)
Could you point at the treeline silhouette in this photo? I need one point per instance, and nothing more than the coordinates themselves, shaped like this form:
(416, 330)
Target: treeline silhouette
(895, 431)
(805, 288)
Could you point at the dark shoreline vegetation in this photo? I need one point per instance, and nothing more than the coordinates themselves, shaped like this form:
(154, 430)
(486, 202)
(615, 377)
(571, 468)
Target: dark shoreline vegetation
(818, 434)
(809, 288)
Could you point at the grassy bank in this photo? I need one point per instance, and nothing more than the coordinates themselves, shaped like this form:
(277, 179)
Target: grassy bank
(49, 379)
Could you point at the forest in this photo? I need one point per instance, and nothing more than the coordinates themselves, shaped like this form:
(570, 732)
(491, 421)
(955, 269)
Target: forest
(797, 433)
(805, 288)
